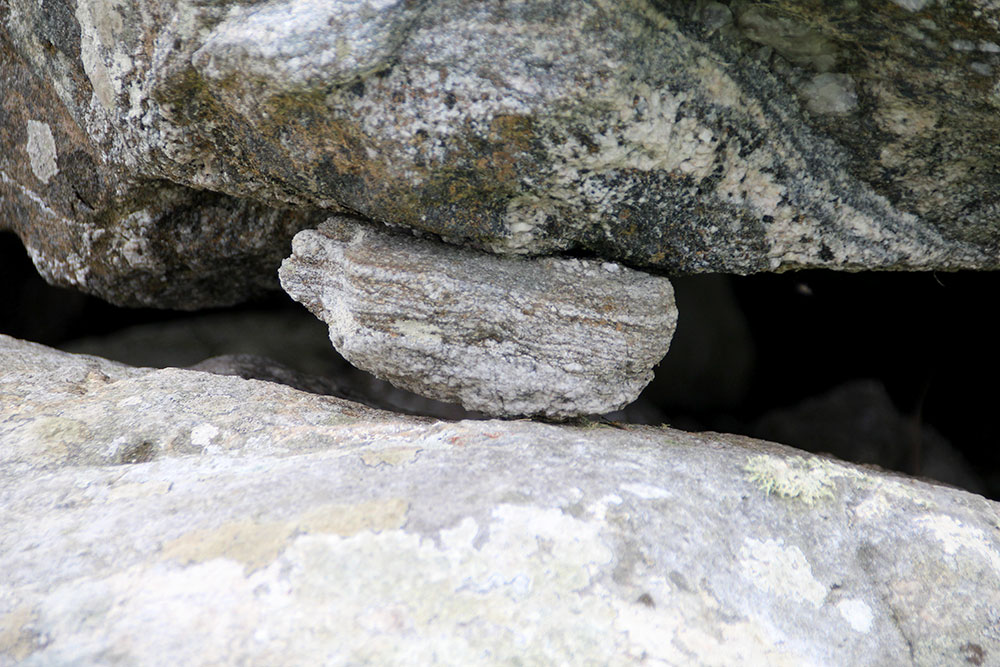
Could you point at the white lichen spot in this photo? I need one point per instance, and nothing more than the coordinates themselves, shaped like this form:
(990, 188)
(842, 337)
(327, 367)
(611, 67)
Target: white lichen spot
(133, 244)
(830, 93)
(415, 330)
(133, 490)
(774, 568)
(400, 595)
(392, 456)
(739, 643)
(807, 480)
(913, 5)
(41, 149)
(873, 508)
(672, 634)
(982, 69)
(520, 534)
(100, 22)
(201, 436)
(857, 614)
(955, 536)
(651, 633)
(646, 491)
(599, 508)
(461, 537)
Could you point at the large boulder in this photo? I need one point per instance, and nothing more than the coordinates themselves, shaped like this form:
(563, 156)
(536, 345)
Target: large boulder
(164, 152)
(164, 517)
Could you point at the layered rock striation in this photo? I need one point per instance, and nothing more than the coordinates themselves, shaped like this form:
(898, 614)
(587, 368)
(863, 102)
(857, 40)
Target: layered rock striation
(507, 336)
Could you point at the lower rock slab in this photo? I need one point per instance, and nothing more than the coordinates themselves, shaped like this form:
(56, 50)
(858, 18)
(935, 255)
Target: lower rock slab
(259, 525)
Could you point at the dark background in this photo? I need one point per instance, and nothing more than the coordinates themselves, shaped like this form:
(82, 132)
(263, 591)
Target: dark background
(928, 338)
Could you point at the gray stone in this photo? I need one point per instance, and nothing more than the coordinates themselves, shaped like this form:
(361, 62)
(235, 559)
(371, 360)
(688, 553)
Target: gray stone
(164, 517)
(92, 217)
(164, 152)
(507, 336)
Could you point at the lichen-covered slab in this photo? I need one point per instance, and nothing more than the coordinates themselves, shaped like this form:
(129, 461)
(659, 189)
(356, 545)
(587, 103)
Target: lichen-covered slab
(506, 336)
(163, 152)
(170, 517)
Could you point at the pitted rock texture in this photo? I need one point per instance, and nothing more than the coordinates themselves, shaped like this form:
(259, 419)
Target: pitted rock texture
(506, 336)
(163, 152)
(166, 517)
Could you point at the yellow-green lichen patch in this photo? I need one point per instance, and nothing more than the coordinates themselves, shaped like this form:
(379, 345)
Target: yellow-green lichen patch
(347, 520)
(796, 477)
(251, 543)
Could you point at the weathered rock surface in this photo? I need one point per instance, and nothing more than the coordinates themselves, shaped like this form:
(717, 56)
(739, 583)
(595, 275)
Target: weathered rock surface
(93, 218)
(164, 517)
(507, 336)
(164, 152)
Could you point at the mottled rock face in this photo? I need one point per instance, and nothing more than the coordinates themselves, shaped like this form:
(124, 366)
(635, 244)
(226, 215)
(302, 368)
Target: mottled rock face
(505, 336)
(97, 220)
(164, 152)
(170, 517)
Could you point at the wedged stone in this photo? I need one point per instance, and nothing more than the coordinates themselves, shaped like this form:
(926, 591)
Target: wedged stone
(506, 336)
(167, 517)
(163, 152)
